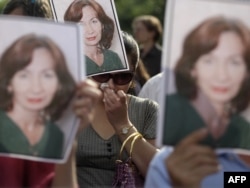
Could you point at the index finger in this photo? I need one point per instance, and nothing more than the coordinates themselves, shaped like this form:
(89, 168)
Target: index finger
(194, 138)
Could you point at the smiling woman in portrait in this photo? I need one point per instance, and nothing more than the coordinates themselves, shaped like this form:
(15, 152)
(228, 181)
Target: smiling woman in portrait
(35, 88)
(213, 83)
(97, 36)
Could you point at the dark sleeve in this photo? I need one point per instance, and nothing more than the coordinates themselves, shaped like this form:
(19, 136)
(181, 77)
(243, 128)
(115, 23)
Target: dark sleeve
(118, 61)
(115, 59)
(180, 119)
(55, 143)
(244, 132)
(172, 121)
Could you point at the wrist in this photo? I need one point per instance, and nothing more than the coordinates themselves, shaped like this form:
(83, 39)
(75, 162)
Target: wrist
(123, 129)
(126, 131)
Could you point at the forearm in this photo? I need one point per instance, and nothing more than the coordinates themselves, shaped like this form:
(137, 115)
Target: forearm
(65, 174)
(142, 152)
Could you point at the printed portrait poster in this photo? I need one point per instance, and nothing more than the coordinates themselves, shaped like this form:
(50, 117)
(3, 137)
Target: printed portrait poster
(206, 46)
(39, 69)
(104, 50)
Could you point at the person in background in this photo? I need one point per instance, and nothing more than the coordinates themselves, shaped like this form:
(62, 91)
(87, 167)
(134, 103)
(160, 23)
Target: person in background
(98, 35)
(35, 8)
(117, 116)
(147, 30)
(154, 87)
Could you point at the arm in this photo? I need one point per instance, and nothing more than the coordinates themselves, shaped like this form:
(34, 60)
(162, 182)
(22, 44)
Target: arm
(117, 112)
(157, 175)
(142, 154)
(87, 96)
(65, 174)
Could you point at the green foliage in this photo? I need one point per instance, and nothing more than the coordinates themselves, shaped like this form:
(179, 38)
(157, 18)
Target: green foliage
(127, 10)
(2, 4)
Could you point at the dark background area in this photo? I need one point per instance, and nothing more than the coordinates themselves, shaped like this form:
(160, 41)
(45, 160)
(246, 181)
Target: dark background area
(127, 10)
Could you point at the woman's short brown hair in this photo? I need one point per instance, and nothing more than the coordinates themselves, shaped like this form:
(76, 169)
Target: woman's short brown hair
(74, 14)
(203, 39)
(19, 55)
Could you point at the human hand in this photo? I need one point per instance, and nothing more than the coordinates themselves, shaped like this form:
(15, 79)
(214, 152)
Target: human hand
(190, 162)
(116, 107)
(87, 96)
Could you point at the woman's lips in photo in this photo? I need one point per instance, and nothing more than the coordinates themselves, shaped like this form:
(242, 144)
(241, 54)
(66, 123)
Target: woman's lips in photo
(35, 100)
(91, 38)
(220, 89)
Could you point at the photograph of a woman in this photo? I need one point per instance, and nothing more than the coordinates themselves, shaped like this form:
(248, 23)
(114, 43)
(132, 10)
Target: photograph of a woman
(98, 30)
(35, 88)
(213, 85)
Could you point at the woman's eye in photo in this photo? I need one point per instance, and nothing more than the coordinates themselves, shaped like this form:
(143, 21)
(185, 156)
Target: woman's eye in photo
(236, 62)
(207, 60)
(23, 75)
(49, 74)
(95, 20)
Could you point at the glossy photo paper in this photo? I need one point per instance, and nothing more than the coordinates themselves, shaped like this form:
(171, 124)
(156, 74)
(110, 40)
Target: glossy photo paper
(103, 46)
(207, 48)
(39, 68)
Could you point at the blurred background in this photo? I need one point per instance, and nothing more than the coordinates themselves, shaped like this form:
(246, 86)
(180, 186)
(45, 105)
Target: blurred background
(129, 9)
(2, 3)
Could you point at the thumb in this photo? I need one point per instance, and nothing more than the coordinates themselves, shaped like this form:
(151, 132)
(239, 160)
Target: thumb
(194, 138)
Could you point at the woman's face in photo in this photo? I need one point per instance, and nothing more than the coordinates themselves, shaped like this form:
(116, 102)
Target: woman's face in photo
(34, 87)
(92, 26)
(220, 73)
